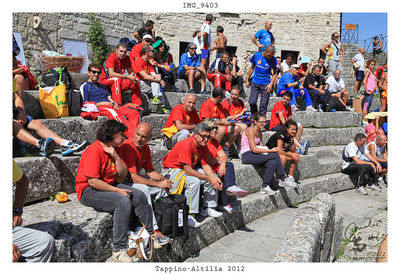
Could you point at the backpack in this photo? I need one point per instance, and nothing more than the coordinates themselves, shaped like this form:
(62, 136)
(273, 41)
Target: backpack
(171, 213)
(74, 99)
(57, 77)
(334, 103)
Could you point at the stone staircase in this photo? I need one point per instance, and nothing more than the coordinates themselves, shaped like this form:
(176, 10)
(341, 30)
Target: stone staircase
(84, 235)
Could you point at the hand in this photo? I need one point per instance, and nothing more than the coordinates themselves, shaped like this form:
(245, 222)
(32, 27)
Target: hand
(132, 77)
(21, 118)
(162, 83)
(273, 150)
(124, 192)
(17, 220)
(216, 183)
(201, 69)
(295, 156)
(234, 60)
(379, 168)
(302, 92)
(157, 78)
(247, 83)
(16, 254)
(165, 183)
(309, 64)
(329, 53)
(261, 45)
(110, 150)
(18, 71)
(322, 92)
(269, 88)
(228, 77)
(222, 170)
(340, 60)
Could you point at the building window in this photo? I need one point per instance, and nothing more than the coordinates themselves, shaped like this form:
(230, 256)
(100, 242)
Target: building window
(294, 53)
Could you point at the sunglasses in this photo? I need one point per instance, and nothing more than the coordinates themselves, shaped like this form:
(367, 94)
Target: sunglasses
(262, 122)
(162, 45)
(95, 72)
(148, 40)
(214, 128)
(203, 137)
(192, 48)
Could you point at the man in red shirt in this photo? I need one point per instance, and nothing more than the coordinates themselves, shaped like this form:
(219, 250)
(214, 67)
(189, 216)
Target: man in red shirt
(212, 108)
(150, 82)
(135, 152)
(113, 77)
(180, 165)
(181, 121)
(136, 51)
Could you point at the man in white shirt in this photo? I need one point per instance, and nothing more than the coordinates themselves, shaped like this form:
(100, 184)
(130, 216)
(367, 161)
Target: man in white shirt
(205, 41)
(358, 64)
(353, 165)
(337, 88)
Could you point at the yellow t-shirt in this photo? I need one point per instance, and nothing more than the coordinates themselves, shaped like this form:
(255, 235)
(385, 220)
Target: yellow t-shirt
(17, 172)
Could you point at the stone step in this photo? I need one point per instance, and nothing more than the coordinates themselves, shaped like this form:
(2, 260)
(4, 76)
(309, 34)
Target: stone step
(79, 231)
(57, 173)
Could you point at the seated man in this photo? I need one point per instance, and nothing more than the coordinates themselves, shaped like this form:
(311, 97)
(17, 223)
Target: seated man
(280, 114)
(237, 74)
(212, 108)
(181, 121)
(113, 77)
(190, 68)
(96, 186)
(28, 245)
(290, 82)
(136, 51)
(135, 152)
(313, 83)
(337, 89)
(219, 72)
(22, 122)
(375, 151)
(94, 92)
(353, 165)
(150, 82)
(180, 164)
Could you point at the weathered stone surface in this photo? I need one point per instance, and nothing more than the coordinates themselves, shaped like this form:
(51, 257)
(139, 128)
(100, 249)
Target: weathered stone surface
(337, 235)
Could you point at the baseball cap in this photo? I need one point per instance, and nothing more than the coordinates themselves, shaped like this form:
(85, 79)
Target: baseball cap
(296, 66)
(147, 36)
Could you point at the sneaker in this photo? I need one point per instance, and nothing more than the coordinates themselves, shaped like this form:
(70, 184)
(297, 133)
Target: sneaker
(47, 146)
(311, 109)
(159, 239)
(382, 182)
(291, 182)
(268, 190)
(227, 208)
(362, 190)
(162, 110)
(236, 191)
(192, 222)
(299, 151)
(122, 256)
(191, 91)
(294, 108)
(305, 146)
(210, 212)
(203, 92)
(284, 183)
(156, 100)
(349, 109)
(374, 187)
(73, 146)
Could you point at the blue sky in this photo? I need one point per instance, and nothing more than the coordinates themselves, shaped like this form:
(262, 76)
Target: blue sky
(369, 24)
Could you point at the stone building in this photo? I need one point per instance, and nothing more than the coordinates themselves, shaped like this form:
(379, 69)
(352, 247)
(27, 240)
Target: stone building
(300, 33)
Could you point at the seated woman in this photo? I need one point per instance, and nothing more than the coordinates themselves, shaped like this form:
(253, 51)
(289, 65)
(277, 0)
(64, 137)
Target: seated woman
(165, 63)
(372, 129)
(284, 141)
(254, 153)
(96, 186)
(224, 169)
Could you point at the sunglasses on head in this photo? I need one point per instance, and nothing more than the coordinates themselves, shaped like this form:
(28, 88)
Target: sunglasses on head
(95, 72)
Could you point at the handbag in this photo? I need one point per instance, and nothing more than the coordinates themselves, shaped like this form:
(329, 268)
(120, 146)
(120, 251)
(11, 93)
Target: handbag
(53, 101)
(140, 244)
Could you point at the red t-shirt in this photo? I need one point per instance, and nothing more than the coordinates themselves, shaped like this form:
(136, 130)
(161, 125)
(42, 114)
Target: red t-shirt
(184, 152)
(236, 107)
(179, 113)
(94, 163)
(136, 52)
(210, 110)
(214, 147)
(118, 65)
(139, 65)
(135, 160)
(279, 108)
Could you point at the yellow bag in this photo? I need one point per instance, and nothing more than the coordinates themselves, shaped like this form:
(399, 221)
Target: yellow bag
(53, 101)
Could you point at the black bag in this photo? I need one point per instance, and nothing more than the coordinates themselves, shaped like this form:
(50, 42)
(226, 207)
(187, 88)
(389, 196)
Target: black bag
(171, 213)
(300, 103)
(74, 99)
(334, 103)
(54, 77)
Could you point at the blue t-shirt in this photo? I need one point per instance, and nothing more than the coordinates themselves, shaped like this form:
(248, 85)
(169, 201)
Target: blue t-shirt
(265, 38)
(263, 68)
(219, 65)
(193, 61)
(285, 80)
(94, 92)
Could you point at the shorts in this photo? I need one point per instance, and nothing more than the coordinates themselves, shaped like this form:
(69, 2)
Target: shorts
(205, 54)
(28, 118)
(182, 74)
(367, 101)
(359, 75)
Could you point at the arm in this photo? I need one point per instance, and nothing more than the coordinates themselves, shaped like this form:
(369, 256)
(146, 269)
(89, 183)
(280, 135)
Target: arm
(343, 52)
(21, 192)
(281, 118)
(180, 125)
(324, 47)
(358, 161)
(101, 185)
(215, 182)
(130, 76)
(137, 36)
(156, 179)
(223, 159)
(122, 170)
(251, 70)
(250, 135)
(254, 39)
(365, 79)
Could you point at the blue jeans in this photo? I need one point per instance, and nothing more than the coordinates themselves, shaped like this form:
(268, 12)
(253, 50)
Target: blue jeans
(367, 101)
(257, 89)
(317, 98)
(228, 180)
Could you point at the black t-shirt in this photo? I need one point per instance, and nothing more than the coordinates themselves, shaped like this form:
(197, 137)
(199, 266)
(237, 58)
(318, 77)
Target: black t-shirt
(313, 80)
(273, 141)
(143, 31)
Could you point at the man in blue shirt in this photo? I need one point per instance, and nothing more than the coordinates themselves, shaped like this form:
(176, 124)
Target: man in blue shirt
(264, 36)
(290, 82)
(219, 72)
(190, 68)
(264, 67)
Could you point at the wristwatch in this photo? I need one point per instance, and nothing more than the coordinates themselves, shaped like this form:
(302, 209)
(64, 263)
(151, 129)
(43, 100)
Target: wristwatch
(18, 211)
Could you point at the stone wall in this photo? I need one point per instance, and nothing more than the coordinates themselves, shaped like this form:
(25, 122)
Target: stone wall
(302, 32)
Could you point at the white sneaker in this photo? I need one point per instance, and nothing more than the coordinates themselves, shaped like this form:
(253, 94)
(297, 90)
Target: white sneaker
(311, 109)
(294, 108)
(210, 212)
(268, 190)
(374, 187)
(362, 190)
(192, 222)
(288, 182)
(236, 191)
(122, 256)
(349, 109)
(382, 182)
(227, 208)
(284, 183)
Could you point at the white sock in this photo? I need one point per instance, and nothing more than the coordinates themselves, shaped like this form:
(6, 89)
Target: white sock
(65, 142)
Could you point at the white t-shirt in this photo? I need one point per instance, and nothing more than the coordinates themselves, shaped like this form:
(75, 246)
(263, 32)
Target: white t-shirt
(359, 59)
(205, 28)
(378, 150)
(335, 85)
(285, 67)
(351, 150)
(197, 42)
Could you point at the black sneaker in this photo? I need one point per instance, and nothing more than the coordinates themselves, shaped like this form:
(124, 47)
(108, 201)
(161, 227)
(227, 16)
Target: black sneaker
(47, 146)
(73, 146)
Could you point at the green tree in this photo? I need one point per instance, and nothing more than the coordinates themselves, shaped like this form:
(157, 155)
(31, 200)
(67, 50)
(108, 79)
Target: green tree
(97, 40)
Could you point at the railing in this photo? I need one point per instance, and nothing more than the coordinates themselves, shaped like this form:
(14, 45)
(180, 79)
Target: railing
(367, 43)
(349, 34)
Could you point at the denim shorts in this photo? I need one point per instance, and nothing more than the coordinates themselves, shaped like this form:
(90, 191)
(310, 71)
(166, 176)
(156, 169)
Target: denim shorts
(367, 101)
(28, 118)
(205, 54)
(359, 75)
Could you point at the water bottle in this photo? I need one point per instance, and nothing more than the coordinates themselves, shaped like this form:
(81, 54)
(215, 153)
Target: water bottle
(333, 110)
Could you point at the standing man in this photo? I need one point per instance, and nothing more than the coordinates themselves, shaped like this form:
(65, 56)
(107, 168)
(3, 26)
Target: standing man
(264, 36)
(220, 42)
(147, 29)
(335, 52)
(113, 77)
(264, 67)
(205, 41)
(359, 64)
